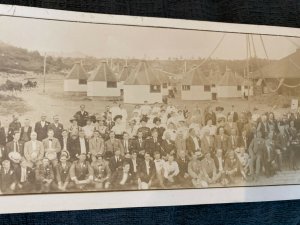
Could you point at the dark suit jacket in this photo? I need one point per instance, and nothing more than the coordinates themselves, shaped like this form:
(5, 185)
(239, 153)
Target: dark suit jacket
(137, 146)
(190, 145)
(117, 177)
(74, 148)
(168, 147)
(109, 124)
(241, 142)
(183, 166)
(152, 147)
(10, 148)
(41, 131)
(30, 176)
(7, 179)
(81, 118)
(57, 130)
(25, 136)
(62, 174)
(217, 163)
(142, 171)
(2, 136)
(114, 165)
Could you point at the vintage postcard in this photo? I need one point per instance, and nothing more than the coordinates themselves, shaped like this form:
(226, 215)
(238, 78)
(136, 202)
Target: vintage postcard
(105, 111)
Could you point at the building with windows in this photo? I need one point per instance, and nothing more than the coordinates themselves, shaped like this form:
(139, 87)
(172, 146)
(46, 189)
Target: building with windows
(76, 80)
(164, 80)
(230, 85)
(195, 86)
(142, 85)
(103, 82)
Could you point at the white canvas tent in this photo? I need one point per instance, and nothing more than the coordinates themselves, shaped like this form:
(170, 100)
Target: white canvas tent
(103, 82)
(124, 74)
(195, 86)
(230, 85)
(142, 85)
(76, 80)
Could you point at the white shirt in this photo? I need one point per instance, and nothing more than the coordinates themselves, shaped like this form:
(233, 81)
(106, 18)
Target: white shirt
(34, 147)
(65, 143)
(82, 145)
(23, 175)
(196, 143)
(170, 168)
(43, 123)
(220, 163)
(159, 163)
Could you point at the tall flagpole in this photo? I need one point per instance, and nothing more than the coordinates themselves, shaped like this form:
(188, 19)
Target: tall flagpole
(44, 85)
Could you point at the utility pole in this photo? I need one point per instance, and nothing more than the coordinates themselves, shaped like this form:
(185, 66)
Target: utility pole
(44, 85)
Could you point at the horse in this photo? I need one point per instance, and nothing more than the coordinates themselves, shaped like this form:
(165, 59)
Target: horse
(13, 86)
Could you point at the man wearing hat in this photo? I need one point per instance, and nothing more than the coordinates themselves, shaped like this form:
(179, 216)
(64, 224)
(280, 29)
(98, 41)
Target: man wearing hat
(44, 176)
(8, 179)
(81, 116)
(34, 149)
(102, 173)
(62, 172)
(81, 173)
(41, 128)
(52, 147)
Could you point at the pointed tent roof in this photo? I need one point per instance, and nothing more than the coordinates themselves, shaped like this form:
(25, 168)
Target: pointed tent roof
(230, 79)
(143, 74)
(215, 76)
(125, 73)
(103, 73)
(162, 75)
(77, 72)
(195, 76)
(287, 67)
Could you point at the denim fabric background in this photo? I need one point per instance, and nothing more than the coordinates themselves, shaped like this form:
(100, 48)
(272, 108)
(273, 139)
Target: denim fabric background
(268, 12)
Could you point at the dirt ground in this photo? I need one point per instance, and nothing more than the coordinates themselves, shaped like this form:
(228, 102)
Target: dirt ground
(55, 101)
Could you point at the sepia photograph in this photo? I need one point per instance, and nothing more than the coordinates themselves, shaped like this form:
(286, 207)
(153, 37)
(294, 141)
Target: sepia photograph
(91, 107)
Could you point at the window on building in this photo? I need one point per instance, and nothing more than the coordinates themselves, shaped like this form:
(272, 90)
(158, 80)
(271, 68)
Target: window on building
(154, 88)
(186, 87)
(239, 87)
(82, 81)
(246, 87)
(213, 85)
(165, 85)
(111, 84)
(206, 88)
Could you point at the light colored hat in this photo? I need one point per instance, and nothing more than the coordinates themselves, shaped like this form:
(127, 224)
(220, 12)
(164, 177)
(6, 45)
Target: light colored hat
(15, 157)
(51, 155)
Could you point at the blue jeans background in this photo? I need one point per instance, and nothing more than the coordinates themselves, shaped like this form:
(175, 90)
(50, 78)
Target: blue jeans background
(268, 12)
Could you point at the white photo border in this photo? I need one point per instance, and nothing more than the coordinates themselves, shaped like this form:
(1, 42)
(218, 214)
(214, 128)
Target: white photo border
(122, 199)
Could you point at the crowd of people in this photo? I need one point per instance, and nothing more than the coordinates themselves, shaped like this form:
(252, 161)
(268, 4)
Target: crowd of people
(156, 146)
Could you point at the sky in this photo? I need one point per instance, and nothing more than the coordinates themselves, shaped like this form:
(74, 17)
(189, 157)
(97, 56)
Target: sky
(116, 41)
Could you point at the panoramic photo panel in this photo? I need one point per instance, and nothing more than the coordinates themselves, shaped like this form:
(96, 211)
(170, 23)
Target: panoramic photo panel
(101, 107)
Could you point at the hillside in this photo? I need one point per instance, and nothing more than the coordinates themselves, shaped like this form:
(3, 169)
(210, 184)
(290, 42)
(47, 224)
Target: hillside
(19, 61)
